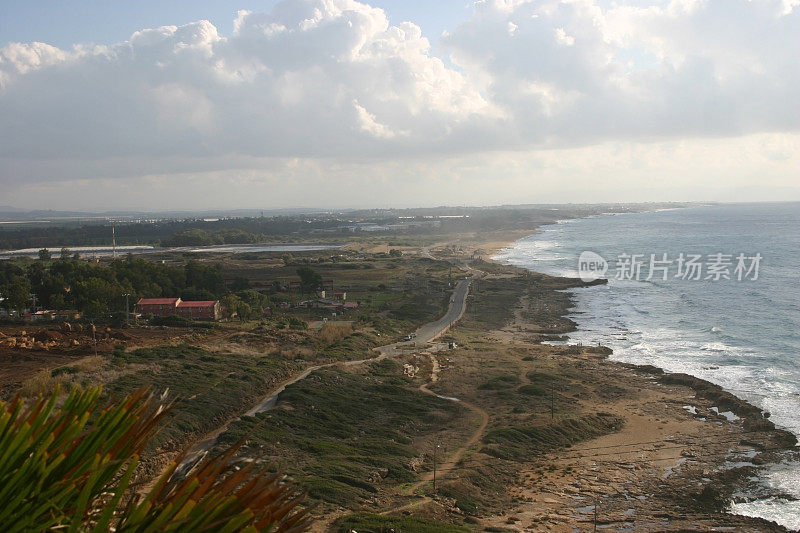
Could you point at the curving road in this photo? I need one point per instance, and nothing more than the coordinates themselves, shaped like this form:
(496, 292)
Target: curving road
(433, 330)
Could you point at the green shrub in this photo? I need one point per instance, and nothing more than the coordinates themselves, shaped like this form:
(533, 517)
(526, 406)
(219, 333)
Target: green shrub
(352, 432)
(532, 390)
(500, 382)
(63, 370)
(519, 443)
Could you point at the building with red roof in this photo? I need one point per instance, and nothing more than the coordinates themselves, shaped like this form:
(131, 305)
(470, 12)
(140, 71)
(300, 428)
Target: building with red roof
(157, 306)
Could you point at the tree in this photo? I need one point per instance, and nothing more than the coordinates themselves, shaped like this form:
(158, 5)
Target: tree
(65, 254)
(44, 254)
(17, 294)
(230, 305)
(70, 468)
(240, 284)
(244, 311)
(98, 295)
(394, 252)
(255, 300)
(245, 304)
(205, 277)
(310, 280)
(57, 301)
(287, 259)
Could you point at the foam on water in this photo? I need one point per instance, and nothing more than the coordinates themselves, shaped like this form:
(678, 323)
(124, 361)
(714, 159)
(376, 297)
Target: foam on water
(783, 478)
(743, 336)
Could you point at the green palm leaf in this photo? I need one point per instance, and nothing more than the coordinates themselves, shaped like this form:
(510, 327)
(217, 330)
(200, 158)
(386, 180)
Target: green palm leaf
(71, 468)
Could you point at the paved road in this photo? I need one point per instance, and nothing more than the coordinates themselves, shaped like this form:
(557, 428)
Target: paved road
(432, 330)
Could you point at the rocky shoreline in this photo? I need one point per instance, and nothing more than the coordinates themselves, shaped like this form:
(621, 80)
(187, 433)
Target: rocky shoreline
(720, 441)
(697, 491)
(685, 449)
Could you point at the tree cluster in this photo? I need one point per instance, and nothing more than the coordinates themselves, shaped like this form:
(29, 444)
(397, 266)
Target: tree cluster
(200, 237)
(100, 289)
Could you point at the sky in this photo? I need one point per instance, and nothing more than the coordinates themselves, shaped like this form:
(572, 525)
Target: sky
(336, 103)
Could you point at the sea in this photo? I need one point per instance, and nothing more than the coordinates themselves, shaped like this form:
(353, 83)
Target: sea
(712, 291)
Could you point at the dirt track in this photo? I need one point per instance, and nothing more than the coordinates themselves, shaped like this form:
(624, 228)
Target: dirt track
(443, 469)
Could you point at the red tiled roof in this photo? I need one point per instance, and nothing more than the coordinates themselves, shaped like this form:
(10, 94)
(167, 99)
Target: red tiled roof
(157, 301)
(209, 303)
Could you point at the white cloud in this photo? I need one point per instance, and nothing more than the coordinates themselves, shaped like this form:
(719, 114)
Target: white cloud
(642, 71)
(563, 38)
(335, 81)
(282, 85)
(18, 58)
(370, 125)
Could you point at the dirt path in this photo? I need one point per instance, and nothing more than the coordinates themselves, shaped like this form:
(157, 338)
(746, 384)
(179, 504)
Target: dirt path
(443, 469)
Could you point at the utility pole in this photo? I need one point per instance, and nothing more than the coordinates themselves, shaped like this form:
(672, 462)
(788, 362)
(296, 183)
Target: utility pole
(434, 467)
(595, 516)
(127, 312)
(94, 337)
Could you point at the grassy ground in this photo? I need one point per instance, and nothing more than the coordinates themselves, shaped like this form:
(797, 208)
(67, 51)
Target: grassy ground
(354, 439)
(223, 377)
(347, 436)
(210, 387)
(407, 290)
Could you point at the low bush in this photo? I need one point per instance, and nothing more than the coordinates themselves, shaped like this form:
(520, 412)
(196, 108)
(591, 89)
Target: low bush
(175, 321)
(519, 443)
(532, 390)
(500, 382)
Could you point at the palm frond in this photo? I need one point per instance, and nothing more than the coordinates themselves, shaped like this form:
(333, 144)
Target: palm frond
(71, 468)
